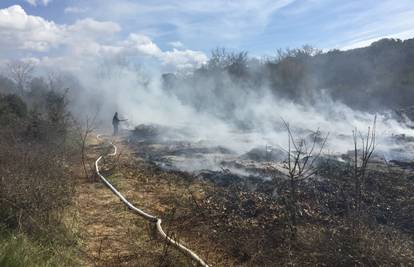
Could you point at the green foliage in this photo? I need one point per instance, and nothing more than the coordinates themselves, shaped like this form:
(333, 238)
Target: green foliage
(18, 250)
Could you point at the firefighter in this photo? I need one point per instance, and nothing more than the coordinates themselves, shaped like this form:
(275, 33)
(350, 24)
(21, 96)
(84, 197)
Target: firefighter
(115, 123)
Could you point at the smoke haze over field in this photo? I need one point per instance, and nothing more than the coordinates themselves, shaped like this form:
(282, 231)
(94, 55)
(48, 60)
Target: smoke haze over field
(254, 119)
(227, 99)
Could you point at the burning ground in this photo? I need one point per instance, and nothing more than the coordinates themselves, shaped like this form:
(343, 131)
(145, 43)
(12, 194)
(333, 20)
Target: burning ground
(210, 156)
(239, 204)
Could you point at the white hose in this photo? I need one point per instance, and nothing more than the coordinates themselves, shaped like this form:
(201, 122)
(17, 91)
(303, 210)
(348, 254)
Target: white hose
(145, 215)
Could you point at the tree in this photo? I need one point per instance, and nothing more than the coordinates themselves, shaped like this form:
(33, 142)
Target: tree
(21, 72)
(55, 81)
(362, 156)
(301, 158)
(305, 51)
(234, 62)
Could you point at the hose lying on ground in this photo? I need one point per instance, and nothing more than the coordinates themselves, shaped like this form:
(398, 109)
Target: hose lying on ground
(145, 215)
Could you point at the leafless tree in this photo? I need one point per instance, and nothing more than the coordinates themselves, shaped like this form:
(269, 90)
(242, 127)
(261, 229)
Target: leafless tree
(304, 51)
(301, 166)
(84, 132)
(55, 81)
(20, 72)
(222, 58)
(362, 155)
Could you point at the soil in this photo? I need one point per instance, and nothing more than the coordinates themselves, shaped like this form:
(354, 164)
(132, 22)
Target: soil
(110, 235)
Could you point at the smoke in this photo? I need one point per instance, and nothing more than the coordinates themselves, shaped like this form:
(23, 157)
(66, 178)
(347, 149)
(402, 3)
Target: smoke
(229, 99)
(238, 117)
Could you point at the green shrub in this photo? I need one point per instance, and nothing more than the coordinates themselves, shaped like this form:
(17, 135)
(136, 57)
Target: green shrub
(18, 250)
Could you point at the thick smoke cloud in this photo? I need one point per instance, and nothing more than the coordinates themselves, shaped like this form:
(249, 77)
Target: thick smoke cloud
(239, 117)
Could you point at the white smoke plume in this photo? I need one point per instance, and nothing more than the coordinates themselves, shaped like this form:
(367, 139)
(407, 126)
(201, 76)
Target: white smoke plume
(137, 94)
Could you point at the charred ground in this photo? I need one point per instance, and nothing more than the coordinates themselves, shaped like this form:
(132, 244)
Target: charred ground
(247, 215)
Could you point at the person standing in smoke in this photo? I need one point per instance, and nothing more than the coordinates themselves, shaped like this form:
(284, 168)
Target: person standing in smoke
(115, 123)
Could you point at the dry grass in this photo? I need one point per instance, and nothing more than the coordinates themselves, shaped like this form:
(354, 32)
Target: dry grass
(109, 234)
(238, 227)
(35, 185)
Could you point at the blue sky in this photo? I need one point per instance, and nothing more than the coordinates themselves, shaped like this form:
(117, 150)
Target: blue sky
(255, 26)
(190, 26)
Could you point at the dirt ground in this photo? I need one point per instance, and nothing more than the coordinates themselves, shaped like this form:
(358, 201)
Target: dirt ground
(232, 225)
(112, 236)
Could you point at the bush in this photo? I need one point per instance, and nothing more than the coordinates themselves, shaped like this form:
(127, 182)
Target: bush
(35, 182)
(12, 109)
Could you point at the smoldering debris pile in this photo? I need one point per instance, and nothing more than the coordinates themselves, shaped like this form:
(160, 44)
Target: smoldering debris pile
(218, 164)
(170, 149)
(146, 132)
(248, 198)
(267, 153)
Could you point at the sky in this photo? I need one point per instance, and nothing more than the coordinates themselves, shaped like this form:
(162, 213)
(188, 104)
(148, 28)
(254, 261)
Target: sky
(181, 33)
(88, 38)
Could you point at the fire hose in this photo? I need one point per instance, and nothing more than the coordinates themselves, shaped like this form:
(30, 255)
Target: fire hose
(151, 218)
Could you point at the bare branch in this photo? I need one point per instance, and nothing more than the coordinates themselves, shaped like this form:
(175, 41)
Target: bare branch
(20, 72)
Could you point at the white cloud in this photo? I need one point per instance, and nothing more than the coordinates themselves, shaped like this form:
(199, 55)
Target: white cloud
(176, 44)
(184, 58)
(19, 30)
(75, 10)
(90, 27)
(224, 21)
(191, 20)
(82, 43)
(32, 33)
(387, 19)
(178, 58)
(37, 2)
(143, 44)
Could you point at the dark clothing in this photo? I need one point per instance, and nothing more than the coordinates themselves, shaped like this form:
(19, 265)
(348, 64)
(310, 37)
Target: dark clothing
(115, 129)
(115, 123)
(115, 120)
